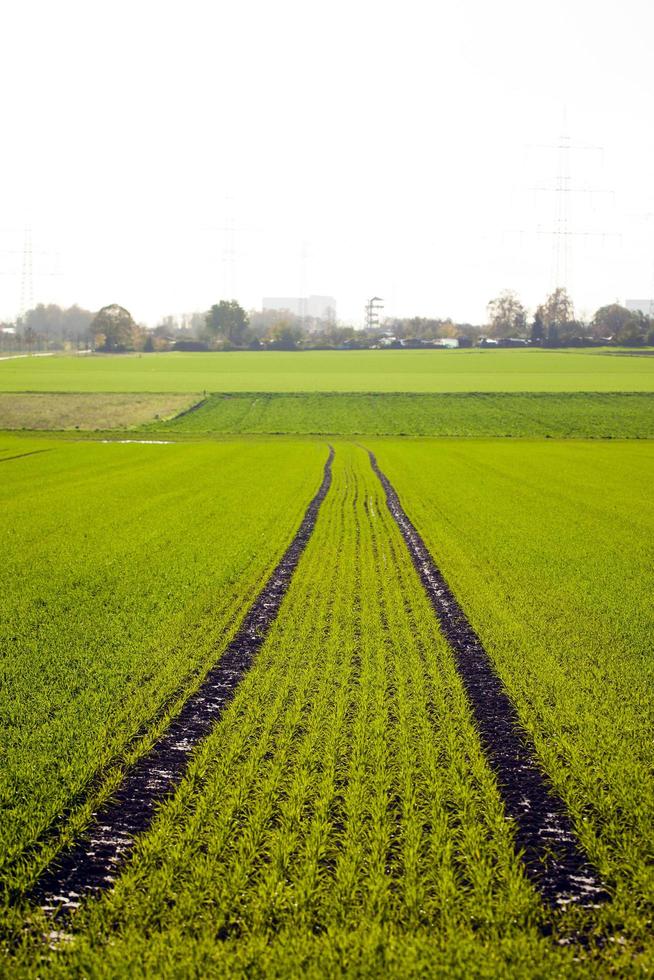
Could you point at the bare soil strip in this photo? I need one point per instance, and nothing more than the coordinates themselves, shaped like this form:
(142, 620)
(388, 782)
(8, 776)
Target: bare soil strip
(93, 864)
(552, 857)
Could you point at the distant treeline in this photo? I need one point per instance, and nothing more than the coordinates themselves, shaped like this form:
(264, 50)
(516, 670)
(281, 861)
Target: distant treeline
(228, 326)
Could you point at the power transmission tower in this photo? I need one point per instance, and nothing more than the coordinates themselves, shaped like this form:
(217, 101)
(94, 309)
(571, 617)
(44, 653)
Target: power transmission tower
(304, 300)
(374, 308)
(564, 192)
(561, 243)
(26, 279)
(229, 250)
(648, 217)
(20, 268)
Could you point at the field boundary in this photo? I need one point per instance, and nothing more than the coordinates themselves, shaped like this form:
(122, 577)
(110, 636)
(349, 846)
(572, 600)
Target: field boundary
(93, 863)
(552, 857)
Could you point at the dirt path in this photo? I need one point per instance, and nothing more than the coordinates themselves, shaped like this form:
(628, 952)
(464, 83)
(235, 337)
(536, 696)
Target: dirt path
(552, 857)
(15, 357)
(94, 862)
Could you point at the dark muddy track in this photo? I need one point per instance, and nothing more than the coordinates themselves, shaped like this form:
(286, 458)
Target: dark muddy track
(33, 452)
(189, 410)
(552, 857)
(93, 863)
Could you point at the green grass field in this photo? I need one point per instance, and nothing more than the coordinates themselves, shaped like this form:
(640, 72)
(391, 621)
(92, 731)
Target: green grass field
(549, 548)
(345, 371)
(116, 598)
(342, 820)
(570, 415)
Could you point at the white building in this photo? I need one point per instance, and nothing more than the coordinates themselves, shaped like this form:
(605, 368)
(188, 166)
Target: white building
(318, 307)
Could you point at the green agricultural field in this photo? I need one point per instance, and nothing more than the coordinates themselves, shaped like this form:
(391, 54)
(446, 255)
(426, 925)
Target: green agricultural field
(549, 549)
(569, 415)
(126, 569)
(342, 818)
(345, 371)
(12, 446)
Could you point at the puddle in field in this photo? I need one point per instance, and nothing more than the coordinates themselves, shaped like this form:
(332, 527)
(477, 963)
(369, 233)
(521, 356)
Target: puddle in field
(552, 857)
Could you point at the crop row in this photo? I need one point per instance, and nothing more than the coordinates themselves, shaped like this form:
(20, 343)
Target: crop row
(126, 570)
(342, 817)
(569, 415)
(548, 548)
(343, 801)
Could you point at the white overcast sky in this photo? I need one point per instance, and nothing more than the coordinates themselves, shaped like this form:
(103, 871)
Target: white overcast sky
(166, 155)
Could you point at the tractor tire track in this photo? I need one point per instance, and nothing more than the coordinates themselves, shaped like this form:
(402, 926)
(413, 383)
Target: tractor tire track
(552, 857)
(92, 865)
(33, 452)
(188, 411)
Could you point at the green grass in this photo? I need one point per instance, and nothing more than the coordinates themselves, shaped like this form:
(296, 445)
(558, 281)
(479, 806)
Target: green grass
(548, 547)
(12, 446)
(345, 371)
(556, 415)
(126, 569)
(342, 811)
(341, 819)
(86, 411)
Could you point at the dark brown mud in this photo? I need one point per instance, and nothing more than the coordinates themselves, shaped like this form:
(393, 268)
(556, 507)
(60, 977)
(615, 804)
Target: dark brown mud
(552, 857)
(94, 862)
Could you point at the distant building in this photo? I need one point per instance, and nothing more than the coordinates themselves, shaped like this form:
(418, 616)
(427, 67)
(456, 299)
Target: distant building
(645, 306)
(315, 307)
